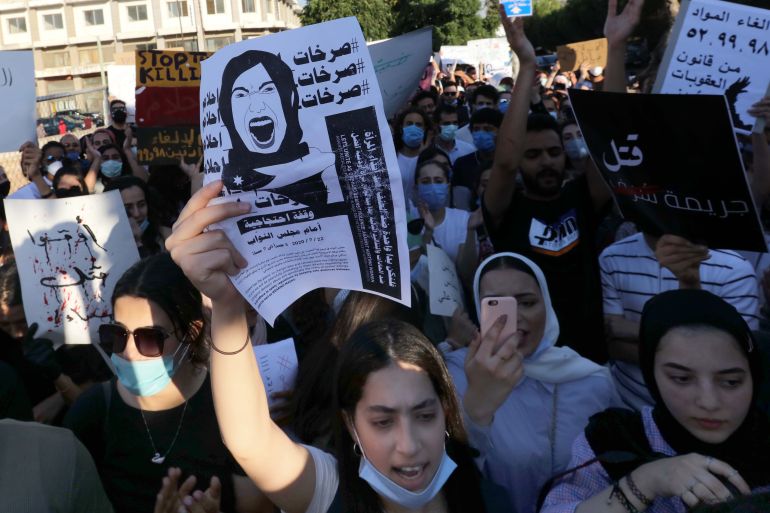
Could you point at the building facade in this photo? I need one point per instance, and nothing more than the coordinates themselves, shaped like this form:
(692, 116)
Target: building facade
(68, 36)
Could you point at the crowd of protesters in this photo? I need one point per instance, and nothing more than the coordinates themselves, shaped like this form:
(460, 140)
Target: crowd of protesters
(635, 380)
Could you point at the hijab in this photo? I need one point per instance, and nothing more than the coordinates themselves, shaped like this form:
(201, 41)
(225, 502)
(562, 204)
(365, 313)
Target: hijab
(548, 363)
(748, 448)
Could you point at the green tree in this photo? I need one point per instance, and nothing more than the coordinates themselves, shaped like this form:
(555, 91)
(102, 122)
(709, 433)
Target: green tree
(375, 16)
(455, 22)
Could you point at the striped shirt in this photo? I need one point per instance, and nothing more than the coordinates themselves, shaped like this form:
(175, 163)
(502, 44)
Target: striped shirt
(631, 275)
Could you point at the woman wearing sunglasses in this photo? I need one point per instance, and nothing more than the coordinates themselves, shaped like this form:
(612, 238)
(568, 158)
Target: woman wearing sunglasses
(157, 413)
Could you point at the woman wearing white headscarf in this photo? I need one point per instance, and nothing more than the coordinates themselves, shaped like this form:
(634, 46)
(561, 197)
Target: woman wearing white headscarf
(524, 410)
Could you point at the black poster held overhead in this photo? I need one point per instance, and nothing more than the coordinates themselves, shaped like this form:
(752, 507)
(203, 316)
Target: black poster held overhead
(673, 165)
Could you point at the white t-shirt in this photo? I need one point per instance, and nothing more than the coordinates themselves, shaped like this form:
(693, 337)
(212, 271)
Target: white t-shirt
(461, 149)
(327, 480)
(407, 165)
(29, 191)
(452, 231)
(464, 134)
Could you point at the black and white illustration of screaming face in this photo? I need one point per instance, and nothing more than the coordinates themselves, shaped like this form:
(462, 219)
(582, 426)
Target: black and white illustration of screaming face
(257, 111)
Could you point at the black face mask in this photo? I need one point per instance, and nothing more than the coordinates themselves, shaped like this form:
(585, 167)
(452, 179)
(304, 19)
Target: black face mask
(69, 193)
(119, 116)
(5, 188)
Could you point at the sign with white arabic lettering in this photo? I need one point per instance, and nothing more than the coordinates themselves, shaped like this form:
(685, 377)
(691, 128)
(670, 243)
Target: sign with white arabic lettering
(517, 7)
(719, 47)
(294, 124)
(70, 253)
(666, 178)
(17, 90)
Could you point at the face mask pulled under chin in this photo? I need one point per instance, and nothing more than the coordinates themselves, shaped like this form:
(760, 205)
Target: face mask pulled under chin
(399, 495)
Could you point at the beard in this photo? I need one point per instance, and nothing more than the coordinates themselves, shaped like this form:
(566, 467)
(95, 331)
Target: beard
(546, 182)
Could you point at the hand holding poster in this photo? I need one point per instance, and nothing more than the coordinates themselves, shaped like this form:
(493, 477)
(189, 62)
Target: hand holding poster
(719, 47)
(70, 252)
(299, 132)
(17, 89)
(573, 55)
(666, 178)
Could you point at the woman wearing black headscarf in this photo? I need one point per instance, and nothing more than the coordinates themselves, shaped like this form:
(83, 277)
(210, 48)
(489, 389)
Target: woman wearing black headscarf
(705, 440)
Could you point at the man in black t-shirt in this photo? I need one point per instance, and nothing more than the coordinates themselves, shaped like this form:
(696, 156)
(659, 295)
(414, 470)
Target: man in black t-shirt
(548, 220)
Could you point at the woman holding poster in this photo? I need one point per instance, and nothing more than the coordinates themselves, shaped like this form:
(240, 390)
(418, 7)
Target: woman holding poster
(400, 444)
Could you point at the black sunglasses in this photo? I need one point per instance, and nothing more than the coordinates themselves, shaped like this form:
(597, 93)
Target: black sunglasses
(149, 341)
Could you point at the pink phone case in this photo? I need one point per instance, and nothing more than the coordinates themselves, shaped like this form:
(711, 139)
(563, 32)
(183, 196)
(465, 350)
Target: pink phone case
(492, 308)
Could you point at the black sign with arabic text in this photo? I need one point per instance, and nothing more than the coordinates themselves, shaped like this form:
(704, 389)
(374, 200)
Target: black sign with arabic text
(673, 165)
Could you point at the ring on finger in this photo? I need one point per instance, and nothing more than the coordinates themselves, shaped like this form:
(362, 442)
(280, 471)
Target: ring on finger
(708, 462)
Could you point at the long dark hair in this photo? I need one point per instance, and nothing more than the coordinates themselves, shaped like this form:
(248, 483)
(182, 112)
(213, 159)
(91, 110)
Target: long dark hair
(398, 126)
(373, 347)
(292, 147)
(160, 280)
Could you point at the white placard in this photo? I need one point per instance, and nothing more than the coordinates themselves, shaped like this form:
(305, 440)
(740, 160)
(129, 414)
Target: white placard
(446, 293)
(293, 123)
(17, 91)
(70, 253)
(399, 63)
(278, 367)
(719, 47)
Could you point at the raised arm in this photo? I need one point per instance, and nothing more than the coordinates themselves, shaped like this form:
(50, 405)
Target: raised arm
(137, 169)
(96, 161)
(760, 178)
(618, 28)
(283, 470)
(510, 136)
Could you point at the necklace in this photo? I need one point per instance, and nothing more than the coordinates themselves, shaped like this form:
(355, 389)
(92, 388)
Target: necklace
(156, 457)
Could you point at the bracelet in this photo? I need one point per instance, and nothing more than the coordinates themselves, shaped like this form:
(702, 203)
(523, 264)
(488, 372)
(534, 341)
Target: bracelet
(617, 491)
(637, 492)
(230, 353)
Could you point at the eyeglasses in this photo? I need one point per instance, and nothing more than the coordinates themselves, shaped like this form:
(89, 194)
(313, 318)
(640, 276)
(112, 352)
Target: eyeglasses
(449, 93)
(149, 341)
(51, 158)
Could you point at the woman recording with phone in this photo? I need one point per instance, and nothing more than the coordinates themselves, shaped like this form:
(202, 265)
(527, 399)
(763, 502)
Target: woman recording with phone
(524, 411)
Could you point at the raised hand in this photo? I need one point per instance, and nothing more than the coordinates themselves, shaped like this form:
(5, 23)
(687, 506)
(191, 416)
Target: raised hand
(682, 258)
(619, 27)
(207, 257)
(517, 39)
(493, 368)
(176, 498)
(190, 170)
(761, 109)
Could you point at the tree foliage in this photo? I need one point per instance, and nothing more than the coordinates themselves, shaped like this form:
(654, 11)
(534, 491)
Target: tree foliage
(375, 16)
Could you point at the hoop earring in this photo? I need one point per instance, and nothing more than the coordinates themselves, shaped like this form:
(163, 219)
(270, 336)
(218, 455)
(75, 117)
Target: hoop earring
(447, 435)
(357, 449)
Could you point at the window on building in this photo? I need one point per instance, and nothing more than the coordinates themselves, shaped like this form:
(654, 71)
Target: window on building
(137, 12)
(177, 9)
(135, 47)
(53, 21)
(17, 25)
(90, 55)
(94, 17)
(215, 6)
(189, 45)
(56, 59)
(249, 5)
(215, 43)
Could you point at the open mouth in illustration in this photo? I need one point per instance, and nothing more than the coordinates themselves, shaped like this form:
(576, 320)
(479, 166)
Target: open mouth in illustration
(262, 130)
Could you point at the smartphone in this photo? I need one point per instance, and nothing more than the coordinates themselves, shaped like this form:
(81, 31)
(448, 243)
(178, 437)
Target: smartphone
(491, 310)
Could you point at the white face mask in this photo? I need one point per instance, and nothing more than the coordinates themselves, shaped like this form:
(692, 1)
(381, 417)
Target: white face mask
(397, 494)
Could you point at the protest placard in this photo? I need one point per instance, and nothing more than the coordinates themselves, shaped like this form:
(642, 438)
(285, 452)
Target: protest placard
(571, 56)
(452, 54)
(278, 367)
(445, 293)
(301, 134)
(719, 47)
(17, 89)
(166, 145)
(494, 54)
(167, 106)
(168, 68)
(666, 177)
(70, 252)
(120, 84)
(399, 63)
(517, 7)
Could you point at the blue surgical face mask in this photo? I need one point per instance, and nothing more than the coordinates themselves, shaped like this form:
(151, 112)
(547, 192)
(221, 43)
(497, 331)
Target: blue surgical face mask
(484, 141)
(413, 136)
(448, 132)
(399, 495)
(144, 225)
(503, 106)
(147, 377)
(553, 114)
(435, 195)
(576, 148)
(73, 155)
(111, 168)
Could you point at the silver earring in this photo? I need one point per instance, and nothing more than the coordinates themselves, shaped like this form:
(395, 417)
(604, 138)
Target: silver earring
(357, 449)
